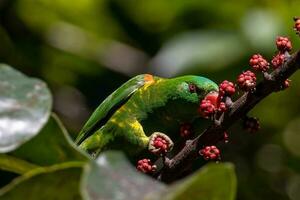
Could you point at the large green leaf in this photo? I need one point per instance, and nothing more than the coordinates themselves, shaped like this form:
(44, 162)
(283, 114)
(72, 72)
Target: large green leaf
(112, 177)
(25, 105)
(55, 182)
(212, 182)
(51, 146)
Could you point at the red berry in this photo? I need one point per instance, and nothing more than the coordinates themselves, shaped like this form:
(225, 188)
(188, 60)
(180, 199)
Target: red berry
(206, 108)
(246, 80)
(251, 124)
(283, 44)
(278, 60)
(145, 166)
(185, 130)
(160, 143)
(259, 63)
(297, 25)
(222, 107)
(210, 153)
(213, 97)
(226, 88)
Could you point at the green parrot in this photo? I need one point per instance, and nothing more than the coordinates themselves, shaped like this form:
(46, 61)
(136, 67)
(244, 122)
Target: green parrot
(127, 119)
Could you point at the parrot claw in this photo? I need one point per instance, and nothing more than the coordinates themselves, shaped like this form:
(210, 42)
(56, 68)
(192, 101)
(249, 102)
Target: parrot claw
(160, 143)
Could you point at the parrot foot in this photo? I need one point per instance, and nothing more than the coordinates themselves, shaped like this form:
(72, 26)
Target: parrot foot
(160, 143)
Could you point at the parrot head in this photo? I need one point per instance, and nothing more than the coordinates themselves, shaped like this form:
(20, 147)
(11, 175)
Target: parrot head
(184, 95)
(195, 88)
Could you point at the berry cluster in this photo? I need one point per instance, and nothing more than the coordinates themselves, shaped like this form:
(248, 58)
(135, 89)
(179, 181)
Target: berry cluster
(210, 153)
(226, 88)
(146, 166)
(278, 60)
(213, 102)
(160, 144)
(207, 108)
(246, 81)
(283, 44)
(210, 105)
(259, 63)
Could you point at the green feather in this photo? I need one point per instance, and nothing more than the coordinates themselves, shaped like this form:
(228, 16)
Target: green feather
(110, 104)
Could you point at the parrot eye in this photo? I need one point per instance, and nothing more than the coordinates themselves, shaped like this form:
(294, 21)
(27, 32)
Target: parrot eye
(192, 88)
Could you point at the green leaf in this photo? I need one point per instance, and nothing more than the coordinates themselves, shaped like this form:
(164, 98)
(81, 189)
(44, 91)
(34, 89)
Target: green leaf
(55, 182)
(13, 164)
(51, 146)
(25, 105)
(112, 177)
(212, 182)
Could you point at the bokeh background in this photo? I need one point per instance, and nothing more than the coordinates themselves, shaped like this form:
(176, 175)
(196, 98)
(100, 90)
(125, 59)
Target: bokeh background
(84, 49)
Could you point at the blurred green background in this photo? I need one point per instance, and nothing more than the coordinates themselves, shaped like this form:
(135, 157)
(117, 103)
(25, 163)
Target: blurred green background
(84, 50)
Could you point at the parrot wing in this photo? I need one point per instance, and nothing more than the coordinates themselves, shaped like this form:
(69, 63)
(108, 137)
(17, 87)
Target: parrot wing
(111, 104)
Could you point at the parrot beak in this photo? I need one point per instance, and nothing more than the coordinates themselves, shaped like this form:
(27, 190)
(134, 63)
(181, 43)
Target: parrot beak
(213, 97)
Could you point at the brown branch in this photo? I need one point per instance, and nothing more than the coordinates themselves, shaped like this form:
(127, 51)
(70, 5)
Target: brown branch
(239, 109)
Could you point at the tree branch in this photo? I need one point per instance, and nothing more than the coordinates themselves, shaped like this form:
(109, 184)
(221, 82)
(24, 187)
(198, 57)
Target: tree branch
(238, 110)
